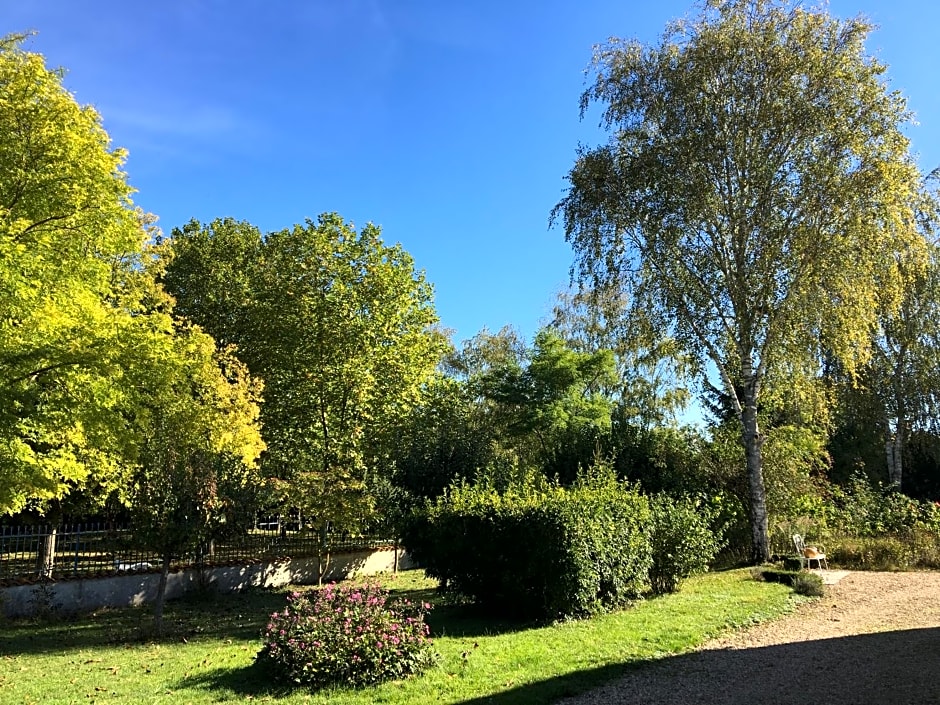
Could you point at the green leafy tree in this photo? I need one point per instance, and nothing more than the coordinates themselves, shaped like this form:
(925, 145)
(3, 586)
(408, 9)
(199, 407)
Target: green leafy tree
(340, 328)
(553, 403)
(650, 385)
(754, 190)
(445, 439)
(210, 274)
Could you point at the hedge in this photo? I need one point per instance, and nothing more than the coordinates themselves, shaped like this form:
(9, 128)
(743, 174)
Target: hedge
(545, 555)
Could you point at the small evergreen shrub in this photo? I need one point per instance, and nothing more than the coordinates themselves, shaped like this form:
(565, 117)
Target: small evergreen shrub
(803, 582)
(808, 584)
(681, 540)
(777, 575)
(346, 635)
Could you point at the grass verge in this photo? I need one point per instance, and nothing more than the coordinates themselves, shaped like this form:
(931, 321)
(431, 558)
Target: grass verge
(208, 658)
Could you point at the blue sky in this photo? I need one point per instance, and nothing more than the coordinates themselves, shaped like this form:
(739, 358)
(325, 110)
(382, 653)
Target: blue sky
(450, 124)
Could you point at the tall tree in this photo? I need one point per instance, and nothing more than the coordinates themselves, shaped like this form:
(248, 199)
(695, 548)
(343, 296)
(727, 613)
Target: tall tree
(555, 412)
(210, 273)
(340, 328)
(903, 374)
(652, 371)
(754, 189)
(70, 244)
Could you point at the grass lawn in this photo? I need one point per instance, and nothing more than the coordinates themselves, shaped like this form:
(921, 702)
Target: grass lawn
(208, 658)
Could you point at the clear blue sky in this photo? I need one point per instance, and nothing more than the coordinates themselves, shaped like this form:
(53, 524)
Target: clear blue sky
(449, 123)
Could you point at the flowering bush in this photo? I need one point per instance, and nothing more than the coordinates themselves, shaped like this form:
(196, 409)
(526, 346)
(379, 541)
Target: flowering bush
(350, 635)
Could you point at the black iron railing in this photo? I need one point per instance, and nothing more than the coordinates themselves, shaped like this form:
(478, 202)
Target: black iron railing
(86, 550)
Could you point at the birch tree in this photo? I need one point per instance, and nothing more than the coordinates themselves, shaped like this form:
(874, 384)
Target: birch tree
(754, 188)
(903, 374)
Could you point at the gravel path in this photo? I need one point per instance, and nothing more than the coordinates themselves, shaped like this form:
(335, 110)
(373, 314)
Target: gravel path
(874, 638)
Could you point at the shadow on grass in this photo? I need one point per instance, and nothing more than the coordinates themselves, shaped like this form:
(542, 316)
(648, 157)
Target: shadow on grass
(899, 668)
(470, 620)
(210, 615)
(239, 617)
(252, 681)
(896, 668)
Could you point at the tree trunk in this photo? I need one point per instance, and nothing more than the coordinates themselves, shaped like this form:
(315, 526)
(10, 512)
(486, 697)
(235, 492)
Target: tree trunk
(323, 554)
(752, 441)
(161, 596)
(46, 555)
(899, 455)
(893, 455)
(46, 549)
(895, 442)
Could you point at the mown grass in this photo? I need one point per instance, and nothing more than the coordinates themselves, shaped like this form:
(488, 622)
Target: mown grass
(209, 655)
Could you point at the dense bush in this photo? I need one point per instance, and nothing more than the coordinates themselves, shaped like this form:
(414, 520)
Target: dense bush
(865, 525)
(682, 542)
(864, 509)
(808, 584)
(351, 635)
(538, 552)
(918, 548)
(803, 582)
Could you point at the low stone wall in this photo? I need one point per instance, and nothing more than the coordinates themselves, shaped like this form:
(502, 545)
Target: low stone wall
(70, 596)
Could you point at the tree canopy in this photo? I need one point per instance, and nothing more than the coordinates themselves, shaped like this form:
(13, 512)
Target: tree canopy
(754, 190)
(338, 325)
(67, 231)
(85, 331)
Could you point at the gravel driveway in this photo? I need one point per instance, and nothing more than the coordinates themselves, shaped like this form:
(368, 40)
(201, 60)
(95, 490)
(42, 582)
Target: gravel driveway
(874, 638)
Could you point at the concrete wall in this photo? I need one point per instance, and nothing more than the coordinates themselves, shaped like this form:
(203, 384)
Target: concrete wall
(69, 596)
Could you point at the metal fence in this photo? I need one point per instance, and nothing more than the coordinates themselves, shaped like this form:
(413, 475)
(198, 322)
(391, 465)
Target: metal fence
(29, 553)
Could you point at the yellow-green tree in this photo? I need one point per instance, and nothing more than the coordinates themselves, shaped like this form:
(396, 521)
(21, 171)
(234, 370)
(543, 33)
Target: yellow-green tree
(195, 417)
(98, 385)
(67, 231)
(754, 190)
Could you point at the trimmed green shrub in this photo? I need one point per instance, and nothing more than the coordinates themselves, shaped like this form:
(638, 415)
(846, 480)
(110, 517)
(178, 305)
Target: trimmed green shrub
(681, 540)
(777, 575)
(803, 582)
(808, 584)
(537, 553)
(346, 635)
